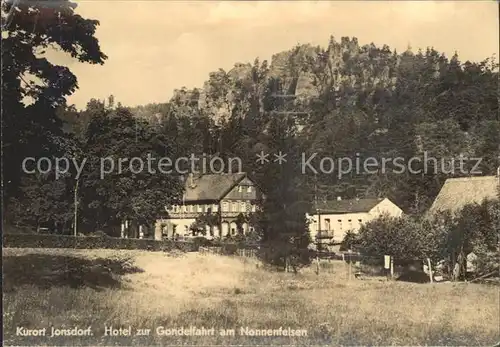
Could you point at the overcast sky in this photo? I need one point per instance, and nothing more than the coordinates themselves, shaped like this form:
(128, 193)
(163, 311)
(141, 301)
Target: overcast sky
(157, 46)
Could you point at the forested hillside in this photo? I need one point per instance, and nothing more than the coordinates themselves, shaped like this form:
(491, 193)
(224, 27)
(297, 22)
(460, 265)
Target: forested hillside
(342, 100)
(346, 99)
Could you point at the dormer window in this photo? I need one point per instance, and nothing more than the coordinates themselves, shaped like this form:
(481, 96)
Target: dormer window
(249, 189)
(240, 189)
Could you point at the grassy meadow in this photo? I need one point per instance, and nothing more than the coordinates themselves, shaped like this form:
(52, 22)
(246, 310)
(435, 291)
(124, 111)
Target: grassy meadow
(146, 290)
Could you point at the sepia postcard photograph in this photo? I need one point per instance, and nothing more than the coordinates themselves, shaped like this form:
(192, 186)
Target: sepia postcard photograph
(250, 173)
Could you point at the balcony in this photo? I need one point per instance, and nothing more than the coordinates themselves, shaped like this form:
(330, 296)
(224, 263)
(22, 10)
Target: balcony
(324, 234)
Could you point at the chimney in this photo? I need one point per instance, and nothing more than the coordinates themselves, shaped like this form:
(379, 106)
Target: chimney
(339, 198)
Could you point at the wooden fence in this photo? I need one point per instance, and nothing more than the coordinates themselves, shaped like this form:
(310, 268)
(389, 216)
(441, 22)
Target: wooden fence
(247, 253)
(210, 250)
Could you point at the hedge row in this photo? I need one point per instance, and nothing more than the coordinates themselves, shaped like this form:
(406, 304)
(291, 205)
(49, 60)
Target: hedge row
(85, 242)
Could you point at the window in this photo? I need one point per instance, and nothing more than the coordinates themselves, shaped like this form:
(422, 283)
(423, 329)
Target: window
(360, 221)
(350, 220)
(240, 189)
(185, 208)
(215, 208)
(235, 207)
(243, 207)
(200, 208)
(249, 189)
(225, 207)
(253, 208)
(327, 224)
(191, 208)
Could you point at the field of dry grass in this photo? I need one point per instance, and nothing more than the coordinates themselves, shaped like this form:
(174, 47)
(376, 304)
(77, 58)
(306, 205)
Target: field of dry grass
(146, 290)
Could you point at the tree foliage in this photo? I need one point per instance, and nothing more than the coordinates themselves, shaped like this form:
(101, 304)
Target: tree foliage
(444, 237)
(32, 86)
(132, 189)
(403, 238)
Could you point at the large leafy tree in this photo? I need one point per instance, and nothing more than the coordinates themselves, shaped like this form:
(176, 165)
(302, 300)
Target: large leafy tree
(110, 192)
(32, 86)
(475, 228)
(281, 223)
(404, 238)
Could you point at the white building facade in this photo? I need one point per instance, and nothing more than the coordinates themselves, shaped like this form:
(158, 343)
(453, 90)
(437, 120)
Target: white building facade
(330, 220)
(224, 197)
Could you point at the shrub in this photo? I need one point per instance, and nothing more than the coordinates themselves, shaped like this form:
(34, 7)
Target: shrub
(350, 241)
(229, 248)
(201, 241)
(403, 238)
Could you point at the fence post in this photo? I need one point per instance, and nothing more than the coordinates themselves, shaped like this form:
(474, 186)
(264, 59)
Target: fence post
(343, 260)
(387, 264)
(430, 269)
(392, 268)
(349, 265)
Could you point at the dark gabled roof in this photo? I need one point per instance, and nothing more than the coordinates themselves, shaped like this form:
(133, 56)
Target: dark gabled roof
(346, 206)
(458, 192)
(211, 187)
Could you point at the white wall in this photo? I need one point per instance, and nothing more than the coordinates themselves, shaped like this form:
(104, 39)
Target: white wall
(339, 229)
(348, 221)
(169, 223)
(386, 206)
